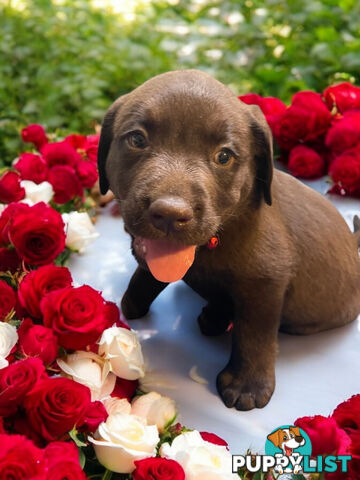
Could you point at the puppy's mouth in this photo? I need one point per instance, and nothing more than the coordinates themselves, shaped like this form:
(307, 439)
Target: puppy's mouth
(167, 261)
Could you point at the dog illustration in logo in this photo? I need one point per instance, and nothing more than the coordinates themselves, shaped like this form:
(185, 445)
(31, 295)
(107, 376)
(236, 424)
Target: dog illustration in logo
(287, 439)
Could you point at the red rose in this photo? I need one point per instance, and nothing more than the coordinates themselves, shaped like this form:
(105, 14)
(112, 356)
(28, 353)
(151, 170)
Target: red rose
(272, 106)
(20, 459)
(91, 148)
(66, 470)
(76, 315)
(34, 134)
(19, 424)
(87, 173)
(355, 461)
(212, 438)
(124, 388)
(345, 173)
(325, 435)
(62, 461)
(343, 96)
(113, 314)
(306, 120)
(7, 299)
(251, 99)
(86, 146)
(344, 133)
(60, 153)
(308, 99)
(268, 105)
(304, 162)
(65, 183)
(76, 141)
(10, 188)
(94, 415)
(16, 380)
(6, 218)
(9, 260)
(347, 416)
(36, 284)
(37, 341)
(54, 406)
(59, 451)
(38, 234)
(156, 468)
(32, 167)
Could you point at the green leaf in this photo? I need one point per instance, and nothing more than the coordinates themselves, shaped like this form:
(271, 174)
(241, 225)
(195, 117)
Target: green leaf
(74, 436)
(82, 458)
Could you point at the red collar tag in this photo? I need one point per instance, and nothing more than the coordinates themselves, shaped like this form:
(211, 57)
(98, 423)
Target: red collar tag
(212, 243)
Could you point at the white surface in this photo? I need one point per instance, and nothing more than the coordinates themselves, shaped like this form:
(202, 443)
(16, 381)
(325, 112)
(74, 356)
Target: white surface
(313, 373)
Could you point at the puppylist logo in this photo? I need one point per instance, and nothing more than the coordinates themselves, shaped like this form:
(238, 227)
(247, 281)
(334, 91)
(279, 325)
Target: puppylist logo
(288, 450)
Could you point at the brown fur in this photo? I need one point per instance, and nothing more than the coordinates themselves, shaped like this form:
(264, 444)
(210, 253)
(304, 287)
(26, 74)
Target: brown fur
(286, 259)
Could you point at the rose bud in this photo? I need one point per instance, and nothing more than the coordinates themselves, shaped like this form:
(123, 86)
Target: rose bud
(156, 409)
(35, 134)
(37, 341)
(123, 350)
(10, 188)
(31, 167)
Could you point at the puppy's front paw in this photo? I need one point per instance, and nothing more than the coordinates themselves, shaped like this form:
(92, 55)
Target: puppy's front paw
(244, 392)
(212, 321)
(131, 309)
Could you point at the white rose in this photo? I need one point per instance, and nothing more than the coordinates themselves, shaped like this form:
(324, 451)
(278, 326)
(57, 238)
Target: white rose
(79, 230)
(123, 350)
(157, 410)
(8, 339)
(200, 460)
(91, 370)
(34, 193)
(122, 439)
(117, 405)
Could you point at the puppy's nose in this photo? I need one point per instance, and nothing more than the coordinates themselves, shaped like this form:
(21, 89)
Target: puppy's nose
(299, 438)
(170, 213)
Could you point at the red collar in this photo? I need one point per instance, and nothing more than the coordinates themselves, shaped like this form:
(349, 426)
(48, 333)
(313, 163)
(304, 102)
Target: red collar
(212, 243)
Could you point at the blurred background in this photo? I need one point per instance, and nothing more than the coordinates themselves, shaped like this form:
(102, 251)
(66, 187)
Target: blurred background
(62, 62)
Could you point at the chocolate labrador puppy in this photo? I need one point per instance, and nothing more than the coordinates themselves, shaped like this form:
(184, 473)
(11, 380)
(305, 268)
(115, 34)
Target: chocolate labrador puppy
(188, 162)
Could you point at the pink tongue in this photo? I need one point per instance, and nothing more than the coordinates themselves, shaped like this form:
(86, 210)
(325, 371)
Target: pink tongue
(168, 262)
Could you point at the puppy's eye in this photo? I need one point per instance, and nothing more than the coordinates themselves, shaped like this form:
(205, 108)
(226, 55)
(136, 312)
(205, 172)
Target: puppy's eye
(137, 140)
(224, 158)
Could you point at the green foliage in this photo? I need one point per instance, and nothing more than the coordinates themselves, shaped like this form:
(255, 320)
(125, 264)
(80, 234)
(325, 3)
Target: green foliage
(63, 62)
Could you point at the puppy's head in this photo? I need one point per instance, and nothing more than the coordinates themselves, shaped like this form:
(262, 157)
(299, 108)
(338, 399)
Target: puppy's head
(287, 439)
(182, 155)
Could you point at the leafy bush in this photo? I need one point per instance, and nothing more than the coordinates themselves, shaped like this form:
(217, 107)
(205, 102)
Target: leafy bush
(62, 63)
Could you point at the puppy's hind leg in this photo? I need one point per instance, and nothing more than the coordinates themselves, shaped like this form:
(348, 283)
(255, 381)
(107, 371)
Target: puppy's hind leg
(141, 292)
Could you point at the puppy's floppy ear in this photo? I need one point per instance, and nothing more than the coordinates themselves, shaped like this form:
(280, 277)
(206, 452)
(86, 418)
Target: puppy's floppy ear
(263, 153)
(275, 438)
(106, 137)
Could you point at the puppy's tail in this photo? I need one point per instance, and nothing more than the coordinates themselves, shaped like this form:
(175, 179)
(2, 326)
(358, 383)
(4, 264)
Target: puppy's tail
(357, 229)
